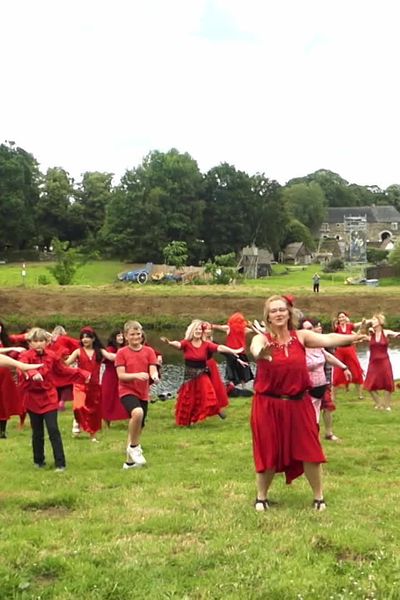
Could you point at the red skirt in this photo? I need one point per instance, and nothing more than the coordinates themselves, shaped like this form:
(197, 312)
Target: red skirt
(196, 401)
(10, 398)
(348, 355)
(112, 409)
(87, 406)
(327, 402)
(218, 385)
(285, 434)
(379, 376)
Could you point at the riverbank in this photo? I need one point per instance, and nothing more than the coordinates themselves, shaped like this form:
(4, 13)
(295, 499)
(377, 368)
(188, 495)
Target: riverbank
(170, 306)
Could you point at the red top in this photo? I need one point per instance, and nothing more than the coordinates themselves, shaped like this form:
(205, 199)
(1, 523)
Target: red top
(63, 346)
(41, 396)
(90, 364)
(201, 354)
(287, 373)
(236, 338)
(346, 330)
(135, 361)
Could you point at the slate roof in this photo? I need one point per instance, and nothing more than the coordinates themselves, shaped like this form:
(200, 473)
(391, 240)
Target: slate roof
(374, 214)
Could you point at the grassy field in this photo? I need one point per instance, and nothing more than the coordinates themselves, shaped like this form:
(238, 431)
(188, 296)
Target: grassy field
(104, 273)
(184, 526)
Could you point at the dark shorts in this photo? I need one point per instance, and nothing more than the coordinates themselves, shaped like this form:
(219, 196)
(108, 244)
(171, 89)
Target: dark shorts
(131, 402)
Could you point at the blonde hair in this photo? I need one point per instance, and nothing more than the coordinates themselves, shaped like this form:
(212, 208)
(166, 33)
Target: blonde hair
(293, 317)
(380, 317)
(37, 334)
(132, 325)
(58, 330)
(189, 333)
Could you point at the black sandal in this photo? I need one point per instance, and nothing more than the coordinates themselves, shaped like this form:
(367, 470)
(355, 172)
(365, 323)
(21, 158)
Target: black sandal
(261, 505)
(319, 504)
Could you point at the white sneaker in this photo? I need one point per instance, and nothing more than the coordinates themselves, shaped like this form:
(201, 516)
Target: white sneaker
(127, 465)
(75, 428)
(136, 455)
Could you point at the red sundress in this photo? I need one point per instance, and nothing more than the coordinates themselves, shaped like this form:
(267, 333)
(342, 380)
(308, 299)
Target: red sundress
(379, 373)
(285, 432)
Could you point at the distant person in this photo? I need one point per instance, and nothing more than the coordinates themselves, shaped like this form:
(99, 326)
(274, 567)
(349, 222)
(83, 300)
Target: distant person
(316, 279)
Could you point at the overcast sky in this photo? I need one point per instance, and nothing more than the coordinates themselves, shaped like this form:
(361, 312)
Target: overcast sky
(283, 87)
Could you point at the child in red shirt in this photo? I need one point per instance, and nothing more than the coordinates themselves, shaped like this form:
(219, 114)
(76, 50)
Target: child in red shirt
(40, 395)
(136, 364)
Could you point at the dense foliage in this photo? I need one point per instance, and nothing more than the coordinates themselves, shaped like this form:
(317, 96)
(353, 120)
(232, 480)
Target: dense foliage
(166, 198)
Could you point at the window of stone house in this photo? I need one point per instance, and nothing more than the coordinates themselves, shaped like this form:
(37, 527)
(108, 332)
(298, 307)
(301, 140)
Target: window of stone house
(394, 226)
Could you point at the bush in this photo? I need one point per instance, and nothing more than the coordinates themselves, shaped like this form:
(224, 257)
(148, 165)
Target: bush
(336, 264)
(43, 279)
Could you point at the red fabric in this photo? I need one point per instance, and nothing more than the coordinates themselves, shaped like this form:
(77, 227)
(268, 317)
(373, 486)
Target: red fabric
(10, 399)
(218, 385)
(202, 353)
(236, 338)
(112, 409)
(41, 396)
(379, 372)
(285, 432)
(64, 346)
(348, 355)
(327, 403)
(87, 396)
(196, 401)
(135, 361)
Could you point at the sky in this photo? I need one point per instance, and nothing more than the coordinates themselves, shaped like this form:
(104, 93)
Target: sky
(280, 87)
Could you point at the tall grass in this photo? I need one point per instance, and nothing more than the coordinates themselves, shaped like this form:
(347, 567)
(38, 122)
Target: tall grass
(184, 526)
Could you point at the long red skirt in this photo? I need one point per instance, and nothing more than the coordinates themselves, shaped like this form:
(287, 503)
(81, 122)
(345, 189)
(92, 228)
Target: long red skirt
(348, 355)
(218, 384)
(87, 406)
(112, 409)
(196, 401)
(285, 434)
(10, 398)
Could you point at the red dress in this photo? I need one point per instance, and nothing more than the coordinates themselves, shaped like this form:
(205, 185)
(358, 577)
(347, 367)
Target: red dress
(379, 373)
(10, 398)
(348, 355)
(87, 396)
(218, 384)
(196, 399)
(112, 409)
(285, 432)
(63, 346)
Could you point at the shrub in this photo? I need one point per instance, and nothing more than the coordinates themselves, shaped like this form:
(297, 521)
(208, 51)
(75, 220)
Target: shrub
(43, 279)
(336, 264)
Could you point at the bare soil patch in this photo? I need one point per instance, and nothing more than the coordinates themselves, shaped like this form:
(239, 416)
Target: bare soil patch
(94, 303)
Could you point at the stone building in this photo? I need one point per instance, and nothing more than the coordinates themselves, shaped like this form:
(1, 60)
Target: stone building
(383, 222)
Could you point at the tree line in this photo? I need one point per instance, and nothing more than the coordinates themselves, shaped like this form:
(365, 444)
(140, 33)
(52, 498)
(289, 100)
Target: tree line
(167, 198)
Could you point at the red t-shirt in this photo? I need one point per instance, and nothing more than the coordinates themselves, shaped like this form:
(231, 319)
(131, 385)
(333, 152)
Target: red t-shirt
(135, 361)
(236, 337)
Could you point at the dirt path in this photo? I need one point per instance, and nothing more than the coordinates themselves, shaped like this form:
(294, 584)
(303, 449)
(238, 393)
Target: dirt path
(97, 303)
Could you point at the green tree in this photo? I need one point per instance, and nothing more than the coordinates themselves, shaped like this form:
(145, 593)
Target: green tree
(53, 209)
(176, 254)
(306, 203)
(88, 212)
(19, 192)
(298, 232)
(67, 262)
(156, 202)
(269, 217)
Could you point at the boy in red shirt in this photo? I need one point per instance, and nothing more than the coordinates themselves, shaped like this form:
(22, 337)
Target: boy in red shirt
(40, 395)
(136, 364)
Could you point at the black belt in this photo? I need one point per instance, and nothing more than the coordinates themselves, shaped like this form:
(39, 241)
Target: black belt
(285, 396)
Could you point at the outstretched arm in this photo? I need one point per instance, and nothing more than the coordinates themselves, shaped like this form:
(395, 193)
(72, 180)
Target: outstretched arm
(311, 339)
(227, 350)
(220, 327)
(172, 343)
(259, 347)
(7, 361)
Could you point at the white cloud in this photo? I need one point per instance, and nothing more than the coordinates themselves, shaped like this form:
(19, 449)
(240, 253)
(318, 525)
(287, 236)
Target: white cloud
(281, 87)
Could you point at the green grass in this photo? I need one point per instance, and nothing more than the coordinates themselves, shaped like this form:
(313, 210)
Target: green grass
(104, 273)
(184, 526)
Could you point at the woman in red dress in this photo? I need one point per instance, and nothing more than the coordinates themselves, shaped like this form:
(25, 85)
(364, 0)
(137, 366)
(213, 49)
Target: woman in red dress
(218, 384)
(284, 428)
(87, 396)
(379, 373)
(347, 355)
(112, 409)
(237, 371)
(10, 398)
(197, 399)
(62, 345)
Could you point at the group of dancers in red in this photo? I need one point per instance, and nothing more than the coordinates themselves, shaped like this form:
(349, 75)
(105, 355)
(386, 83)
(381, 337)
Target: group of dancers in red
(290, 387)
